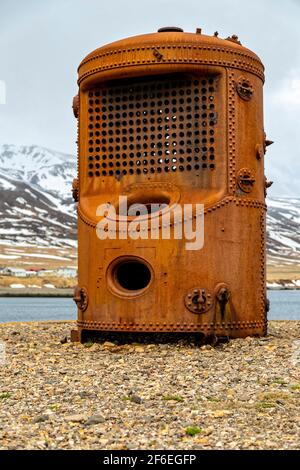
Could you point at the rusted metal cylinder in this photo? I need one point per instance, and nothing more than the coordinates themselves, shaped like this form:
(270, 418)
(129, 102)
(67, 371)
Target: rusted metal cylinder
(172, 117)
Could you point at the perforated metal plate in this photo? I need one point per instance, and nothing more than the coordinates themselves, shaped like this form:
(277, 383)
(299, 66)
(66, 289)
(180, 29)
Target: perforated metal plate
(153, 127)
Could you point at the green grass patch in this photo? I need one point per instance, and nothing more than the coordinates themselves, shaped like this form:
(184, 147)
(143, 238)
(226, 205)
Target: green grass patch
(265, 405)
(5, 395)
(193, 430)
(279, 381)
(177, 398)
(213, 399)
(295, 386)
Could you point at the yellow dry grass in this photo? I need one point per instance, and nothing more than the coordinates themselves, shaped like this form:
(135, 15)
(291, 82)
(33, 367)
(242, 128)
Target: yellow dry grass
(28, 257)
(275, 273)
(59, 282)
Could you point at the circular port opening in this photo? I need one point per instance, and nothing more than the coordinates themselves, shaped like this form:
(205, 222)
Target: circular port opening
(129, 276)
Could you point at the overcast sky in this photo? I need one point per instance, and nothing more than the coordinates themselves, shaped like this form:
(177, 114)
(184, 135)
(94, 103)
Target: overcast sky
(43, 41)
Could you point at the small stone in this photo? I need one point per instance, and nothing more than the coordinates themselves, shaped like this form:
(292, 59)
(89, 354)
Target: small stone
(249, 359)
(136, 399)
(202, 440)
(139, 349)
(75, 418)
(84, 394)
(221, 413)
(94, 419)
(108, 344)
(208, 431)
(129, 447)
(64, 340)
(40, 418)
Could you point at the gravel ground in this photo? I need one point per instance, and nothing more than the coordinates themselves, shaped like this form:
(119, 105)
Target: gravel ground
(175, 395)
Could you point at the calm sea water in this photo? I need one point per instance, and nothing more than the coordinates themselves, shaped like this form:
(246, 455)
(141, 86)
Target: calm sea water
(36, 308)
(285, 305)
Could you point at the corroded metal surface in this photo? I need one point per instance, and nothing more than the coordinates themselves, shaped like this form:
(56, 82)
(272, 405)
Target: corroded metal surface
(173, 117)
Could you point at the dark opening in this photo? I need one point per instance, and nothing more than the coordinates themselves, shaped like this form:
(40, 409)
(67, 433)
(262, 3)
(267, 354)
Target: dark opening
(145, 204)
(132, 275)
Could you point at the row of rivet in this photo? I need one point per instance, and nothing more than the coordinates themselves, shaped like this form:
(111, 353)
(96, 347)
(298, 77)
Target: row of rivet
(231, 132)
(227, 50)
(263, 268)
(171, 326)
(245, 64)
(170, 61)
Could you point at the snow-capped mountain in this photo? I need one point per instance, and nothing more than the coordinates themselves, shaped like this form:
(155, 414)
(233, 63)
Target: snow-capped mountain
(36, 206)
(39, 167)
(283, 229)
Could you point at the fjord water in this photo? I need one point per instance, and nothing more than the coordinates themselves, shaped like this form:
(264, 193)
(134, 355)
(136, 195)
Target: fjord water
(36, 308)
(285, 305)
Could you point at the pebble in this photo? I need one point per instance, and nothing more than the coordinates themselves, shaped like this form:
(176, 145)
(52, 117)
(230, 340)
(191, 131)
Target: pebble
(94, 419)
(75, 418)
(40, 418)
(135, 399)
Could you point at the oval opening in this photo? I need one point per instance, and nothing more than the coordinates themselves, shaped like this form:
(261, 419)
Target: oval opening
(145, 204)
(129, 276)
(168, 29)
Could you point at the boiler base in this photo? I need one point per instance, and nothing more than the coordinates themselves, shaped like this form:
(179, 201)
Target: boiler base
(228, 330)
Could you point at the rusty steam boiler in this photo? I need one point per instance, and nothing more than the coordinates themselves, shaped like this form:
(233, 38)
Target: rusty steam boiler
(173, 118)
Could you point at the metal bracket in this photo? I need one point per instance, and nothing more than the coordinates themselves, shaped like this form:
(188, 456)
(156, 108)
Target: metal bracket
(245, 180)
(198, 300)
(157, 54)
(75, 189)
(244, 89)
(81, 298)
(75, 106)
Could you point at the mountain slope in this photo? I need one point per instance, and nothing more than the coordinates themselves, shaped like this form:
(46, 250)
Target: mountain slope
(283, 231)
(36, 206)
(39, 167)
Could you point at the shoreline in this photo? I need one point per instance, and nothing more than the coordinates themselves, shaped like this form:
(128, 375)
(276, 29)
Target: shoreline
(36, 292)
(68, 292)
